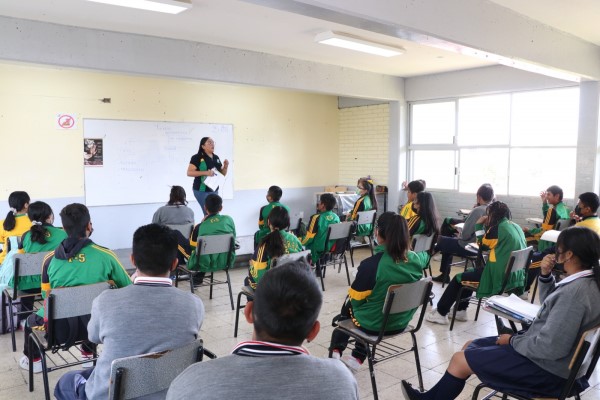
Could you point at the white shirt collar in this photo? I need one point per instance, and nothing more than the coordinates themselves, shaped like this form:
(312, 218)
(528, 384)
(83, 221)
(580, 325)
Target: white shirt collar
(152, 280)
(577, 275)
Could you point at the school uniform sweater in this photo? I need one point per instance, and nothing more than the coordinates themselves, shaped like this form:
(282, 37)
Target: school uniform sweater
(551, 217)
(22, 225)
(263, 226)
(408, 211)
(316, 234)
(261, 263)
(375, 274)
(362, 204)
(213, 224)
(173, 215)
(592, 222)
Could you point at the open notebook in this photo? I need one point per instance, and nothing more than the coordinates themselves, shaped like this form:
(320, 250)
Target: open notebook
(514, 307)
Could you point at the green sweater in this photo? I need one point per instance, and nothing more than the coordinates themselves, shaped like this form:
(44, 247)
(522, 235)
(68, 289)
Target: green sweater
(551, 217)
(263, 226)
(214, 224)
(374, 277)
(362, 204)
(316, 234)
(500, 240)
(261, 263)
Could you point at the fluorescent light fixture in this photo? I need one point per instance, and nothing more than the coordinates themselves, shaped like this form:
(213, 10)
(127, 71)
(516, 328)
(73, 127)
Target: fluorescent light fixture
(347, 41)
(164, 6)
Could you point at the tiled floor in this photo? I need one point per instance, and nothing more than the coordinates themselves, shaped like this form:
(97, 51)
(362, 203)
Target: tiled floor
(436, 344)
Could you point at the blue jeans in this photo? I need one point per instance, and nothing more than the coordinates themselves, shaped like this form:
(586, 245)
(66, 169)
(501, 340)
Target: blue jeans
(71, 386)
(201, 198)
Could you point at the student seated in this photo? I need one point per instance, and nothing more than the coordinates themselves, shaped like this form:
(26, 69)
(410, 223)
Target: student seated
(213, 224)
(366, 202)
(535, 363)
(553, 209)
(277, 243)
(451, 246)
(126, 320)
(498, 234)
(392, 264)
(42, 236)
(16, 222)
(412, 189)
(274, 364)
(316, 234)
(76, 261)
(425, 221)
(176, 211)
(273, 196)
(584, 215)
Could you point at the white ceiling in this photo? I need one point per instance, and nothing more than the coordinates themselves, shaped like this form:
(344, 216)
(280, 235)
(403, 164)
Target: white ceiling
(247, 26)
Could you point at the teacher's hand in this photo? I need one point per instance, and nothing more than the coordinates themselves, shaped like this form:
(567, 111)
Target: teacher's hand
(210, 172)
(225, 164)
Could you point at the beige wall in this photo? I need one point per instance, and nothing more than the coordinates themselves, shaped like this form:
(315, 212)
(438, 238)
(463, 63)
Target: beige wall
(284, 137)
(364, 144)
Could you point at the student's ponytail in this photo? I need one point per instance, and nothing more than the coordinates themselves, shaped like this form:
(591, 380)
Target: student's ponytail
(394, 230)
(16, 202)
(279, 219)
(39, 212)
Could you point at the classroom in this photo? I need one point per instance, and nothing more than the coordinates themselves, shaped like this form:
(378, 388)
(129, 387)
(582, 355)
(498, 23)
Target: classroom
(305, 120)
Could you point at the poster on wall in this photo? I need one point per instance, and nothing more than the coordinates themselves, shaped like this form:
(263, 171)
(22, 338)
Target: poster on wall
(92, 152)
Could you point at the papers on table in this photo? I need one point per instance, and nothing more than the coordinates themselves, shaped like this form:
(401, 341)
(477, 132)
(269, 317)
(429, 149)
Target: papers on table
(512, 308)
(550, 235)
(536, 221)
(474, 247)
(213, 182)
(464, 211)
(459, 226)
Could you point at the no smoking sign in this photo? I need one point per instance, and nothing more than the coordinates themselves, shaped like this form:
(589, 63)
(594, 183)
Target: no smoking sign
(66, 121)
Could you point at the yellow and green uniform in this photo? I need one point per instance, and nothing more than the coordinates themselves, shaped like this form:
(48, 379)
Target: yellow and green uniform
(213, 224)
(369, 289)
(261, 263)
(551, 217)
(416, 225)
(263, 226)
(500, 240)
(591, 222)
(316, 233)
(22, 225)
(204, 163)
(362, 204)
(54, 237)
(408, 211)
(77, 262)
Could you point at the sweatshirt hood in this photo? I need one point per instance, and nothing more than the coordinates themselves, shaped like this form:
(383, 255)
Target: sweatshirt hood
(70, 247)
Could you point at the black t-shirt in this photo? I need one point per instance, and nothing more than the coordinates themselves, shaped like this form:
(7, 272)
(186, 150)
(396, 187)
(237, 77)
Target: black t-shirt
(204, 163)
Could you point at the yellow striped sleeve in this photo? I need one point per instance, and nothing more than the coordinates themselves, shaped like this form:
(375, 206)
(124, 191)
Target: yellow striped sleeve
(356, 295)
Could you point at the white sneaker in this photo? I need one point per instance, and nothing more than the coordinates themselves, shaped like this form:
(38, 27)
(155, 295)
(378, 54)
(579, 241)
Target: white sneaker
(336, 355)
(461, 316)
(351, 362)
(437, 318)
(24, 364)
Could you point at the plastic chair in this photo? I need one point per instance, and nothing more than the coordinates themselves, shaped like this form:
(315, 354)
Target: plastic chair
(185, 229)
(519, 260)
(29, 264)
(425, 243)
(379, 347)
(62, 303)
(582, 364)
(212, 245)
(364, 217)
(341, 233)
(137, 376)
(247, 291)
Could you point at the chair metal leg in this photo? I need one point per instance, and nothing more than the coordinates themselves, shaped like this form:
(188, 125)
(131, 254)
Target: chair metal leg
(478, 308)
(347, 272)
(352, 256)
(30, 358)
(4, 312)
(370, 245)
(45, 375)
(229, 285)
(456, 303)
(415, 350)
(370, 356)
(320, 273)
(212, 279)
(237, 313)
(11, 316)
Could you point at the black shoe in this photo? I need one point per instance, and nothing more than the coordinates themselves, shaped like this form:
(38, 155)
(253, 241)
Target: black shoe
(441, 278)
(409, 392)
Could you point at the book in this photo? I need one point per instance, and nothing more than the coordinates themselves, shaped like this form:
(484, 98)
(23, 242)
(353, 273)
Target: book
(550, 235)
(514, 306)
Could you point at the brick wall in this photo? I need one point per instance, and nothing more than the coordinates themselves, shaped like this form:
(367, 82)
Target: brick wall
(363, 146)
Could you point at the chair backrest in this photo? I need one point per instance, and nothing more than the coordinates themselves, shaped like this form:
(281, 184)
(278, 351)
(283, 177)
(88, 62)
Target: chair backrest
(340, 230)
(366, 217)
(519, 260)
(423, 243)
(74, 301)
(215, 244)
(584, 360)
(28, 264)
(287, 258)
(185, 229)
(137, 376)
(404, 297)
(562, 224)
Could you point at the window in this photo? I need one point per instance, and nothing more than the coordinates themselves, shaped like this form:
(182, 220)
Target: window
(521, 143)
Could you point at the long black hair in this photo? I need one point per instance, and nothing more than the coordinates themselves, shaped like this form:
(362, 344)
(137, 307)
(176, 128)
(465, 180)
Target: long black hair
(428, 213)
(585, 244)
(202, 143)
(38, 212)
(177, 196)
(496, 212)
(367, 183)
(16, 202)
(394, 230)
(279, 218)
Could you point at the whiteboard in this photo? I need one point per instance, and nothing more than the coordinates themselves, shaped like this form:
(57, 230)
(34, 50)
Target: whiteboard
(141, 160)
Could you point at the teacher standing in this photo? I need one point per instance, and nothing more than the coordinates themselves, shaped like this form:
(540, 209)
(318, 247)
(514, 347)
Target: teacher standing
(201, 166)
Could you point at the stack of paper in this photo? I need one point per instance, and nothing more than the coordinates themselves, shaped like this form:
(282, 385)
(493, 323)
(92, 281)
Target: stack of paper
(513, 307)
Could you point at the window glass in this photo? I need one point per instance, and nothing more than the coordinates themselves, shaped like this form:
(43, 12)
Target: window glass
(435, 167)
(487, 165)
(484, 120)
(433, 123)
